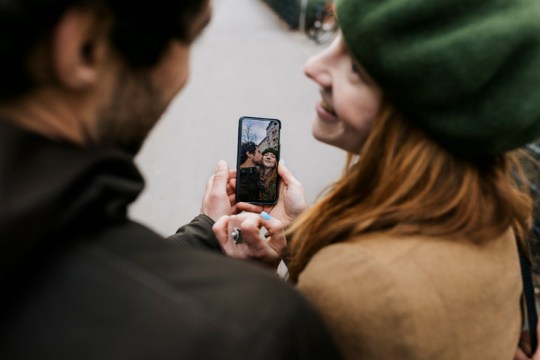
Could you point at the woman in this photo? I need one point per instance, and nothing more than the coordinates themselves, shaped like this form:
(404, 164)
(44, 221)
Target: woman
(412, 254)
(268, 172)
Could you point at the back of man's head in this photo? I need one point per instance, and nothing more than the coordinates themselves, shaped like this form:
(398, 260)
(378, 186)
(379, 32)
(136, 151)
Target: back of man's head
(139, 31)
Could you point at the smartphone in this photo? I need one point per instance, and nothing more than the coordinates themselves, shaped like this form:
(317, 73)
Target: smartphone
(258, 150)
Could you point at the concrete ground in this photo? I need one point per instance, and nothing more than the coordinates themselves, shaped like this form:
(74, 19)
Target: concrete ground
(247, 62)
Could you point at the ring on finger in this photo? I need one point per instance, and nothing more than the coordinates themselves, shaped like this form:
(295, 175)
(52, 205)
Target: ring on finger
(236, 235)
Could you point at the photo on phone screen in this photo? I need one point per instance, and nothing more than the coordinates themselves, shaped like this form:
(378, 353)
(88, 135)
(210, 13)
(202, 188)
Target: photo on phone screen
(257, 180)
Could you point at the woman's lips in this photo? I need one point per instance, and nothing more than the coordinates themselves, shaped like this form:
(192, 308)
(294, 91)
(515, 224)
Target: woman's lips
(326, 105)
(324, 112)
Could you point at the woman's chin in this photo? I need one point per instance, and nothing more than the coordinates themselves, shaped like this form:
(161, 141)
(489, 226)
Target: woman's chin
(337, 141)
(321, 134)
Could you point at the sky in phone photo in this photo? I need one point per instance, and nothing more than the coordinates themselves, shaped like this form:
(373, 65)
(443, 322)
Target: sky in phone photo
(254, 130)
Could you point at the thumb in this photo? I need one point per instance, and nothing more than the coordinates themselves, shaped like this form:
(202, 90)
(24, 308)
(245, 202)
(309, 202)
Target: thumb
(286, 176)
(221, 174)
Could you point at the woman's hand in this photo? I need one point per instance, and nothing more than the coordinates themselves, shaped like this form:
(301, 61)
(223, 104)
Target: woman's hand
(291, 201)
(267, 248)
(219, 198)
(520, 354)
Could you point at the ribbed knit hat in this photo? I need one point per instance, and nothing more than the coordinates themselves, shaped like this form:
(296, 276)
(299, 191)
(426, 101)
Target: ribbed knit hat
(272, 150)
(466, 71)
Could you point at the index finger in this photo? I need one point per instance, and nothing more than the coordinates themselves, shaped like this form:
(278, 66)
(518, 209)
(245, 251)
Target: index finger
(243, 206)
(276, 231)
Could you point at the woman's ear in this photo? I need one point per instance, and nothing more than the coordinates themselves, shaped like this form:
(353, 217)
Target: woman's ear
(78, 49)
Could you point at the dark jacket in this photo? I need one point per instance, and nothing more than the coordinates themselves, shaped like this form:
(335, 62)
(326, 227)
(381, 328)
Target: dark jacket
(249, 184)
(81, 281)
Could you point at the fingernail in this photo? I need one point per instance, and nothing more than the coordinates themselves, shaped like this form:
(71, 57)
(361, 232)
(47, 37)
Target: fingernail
(265, 215)
(282, 162)
(220, 164)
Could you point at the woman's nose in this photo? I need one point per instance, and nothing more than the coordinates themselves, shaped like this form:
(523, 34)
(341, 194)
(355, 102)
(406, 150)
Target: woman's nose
(319, 67)
(315, 69)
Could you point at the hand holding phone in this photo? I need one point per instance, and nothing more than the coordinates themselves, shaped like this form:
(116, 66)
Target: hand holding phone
(216, 200)
(291, 202)
(258, 151)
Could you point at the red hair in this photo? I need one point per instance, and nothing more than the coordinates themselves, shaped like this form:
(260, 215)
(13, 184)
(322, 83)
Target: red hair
(404, 183)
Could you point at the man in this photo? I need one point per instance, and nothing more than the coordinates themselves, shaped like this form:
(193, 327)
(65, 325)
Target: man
(82, 84)
(249, 184)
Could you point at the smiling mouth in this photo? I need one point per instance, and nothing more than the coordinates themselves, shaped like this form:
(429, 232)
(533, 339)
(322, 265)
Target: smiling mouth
(326, 106)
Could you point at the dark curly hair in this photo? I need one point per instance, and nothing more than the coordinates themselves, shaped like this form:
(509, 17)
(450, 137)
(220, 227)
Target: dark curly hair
(247, 147)
(141, 31)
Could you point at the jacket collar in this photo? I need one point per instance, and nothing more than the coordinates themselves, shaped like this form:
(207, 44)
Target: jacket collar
(49, 189)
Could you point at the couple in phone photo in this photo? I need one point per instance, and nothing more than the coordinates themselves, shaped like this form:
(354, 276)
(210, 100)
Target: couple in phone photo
(257, 173)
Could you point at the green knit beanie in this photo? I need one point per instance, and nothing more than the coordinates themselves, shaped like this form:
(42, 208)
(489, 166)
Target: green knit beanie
(466, 71)
(271, 150)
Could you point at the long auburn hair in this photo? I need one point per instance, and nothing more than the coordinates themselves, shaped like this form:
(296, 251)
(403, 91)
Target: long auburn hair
(404, 183)
(267, 179)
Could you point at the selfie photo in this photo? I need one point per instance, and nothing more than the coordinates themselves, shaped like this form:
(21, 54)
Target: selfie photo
(258, 156)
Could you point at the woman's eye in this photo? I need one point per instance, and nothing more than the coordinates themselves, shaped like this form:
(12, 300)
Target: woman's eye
(355, 68)
(360, 72)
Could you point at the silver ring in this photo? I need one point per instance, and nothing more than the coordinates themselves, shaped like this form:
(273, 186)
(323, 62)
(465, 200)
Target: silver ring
(236, 235)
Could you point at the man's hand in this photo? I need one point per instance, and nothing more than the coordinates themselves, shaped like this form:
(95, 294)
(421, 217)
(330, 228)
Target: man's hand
(250, 244)
(291, 201)
(219, 198)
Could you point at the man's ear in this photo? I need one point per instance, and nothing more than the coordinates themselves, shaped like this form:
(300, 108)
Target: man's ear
(78, 49)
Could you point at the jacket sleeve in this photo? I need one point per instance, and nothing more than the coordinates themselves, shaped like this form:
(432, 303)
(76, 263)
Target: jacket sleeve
(197, 233)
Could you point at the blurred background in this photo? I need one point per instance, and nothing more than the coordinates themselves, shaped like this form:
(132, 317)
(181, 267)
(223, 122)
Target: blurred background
(249, 61)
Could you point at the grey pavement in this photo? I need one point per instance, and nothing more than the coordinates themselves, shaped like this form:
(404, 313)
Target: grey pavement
(247, 62)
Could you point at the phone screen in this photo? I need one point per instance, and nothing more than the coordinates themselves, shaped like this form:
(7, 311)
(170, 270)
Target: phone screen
(257, 180)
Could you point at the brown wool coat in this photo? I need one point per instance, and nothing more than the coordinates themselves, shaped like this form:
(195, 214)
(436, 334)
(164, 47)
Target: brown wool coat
(418, 297)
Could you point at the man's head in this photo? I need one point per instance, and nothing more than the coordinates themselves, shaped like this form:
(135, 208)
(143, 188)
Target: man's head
(250, 151)
(113, 65)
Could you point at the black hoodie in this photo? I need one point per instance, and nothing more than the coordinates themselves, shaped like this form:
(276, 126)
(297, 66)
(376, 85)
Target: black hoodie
(79, 280)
